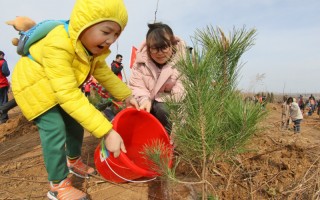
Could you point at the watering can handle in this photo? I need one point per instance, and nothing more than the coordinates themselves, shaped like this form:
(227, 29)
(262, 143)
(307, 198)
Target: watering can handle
(128, 163)
(123, 178)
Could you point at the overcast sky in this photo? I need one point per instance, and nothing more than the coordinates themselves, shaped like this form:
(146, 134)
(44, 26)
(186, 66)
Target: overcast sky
(285, 57)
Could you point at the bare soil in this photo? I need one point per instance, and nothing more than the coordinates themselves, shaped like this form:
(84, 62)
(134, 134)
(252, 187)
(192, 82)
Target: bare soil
(278, 165)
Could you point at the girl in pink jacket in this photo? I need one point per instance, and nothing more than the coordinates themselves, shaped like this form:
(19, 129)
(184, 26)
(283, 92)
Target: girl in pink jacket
(154, 77)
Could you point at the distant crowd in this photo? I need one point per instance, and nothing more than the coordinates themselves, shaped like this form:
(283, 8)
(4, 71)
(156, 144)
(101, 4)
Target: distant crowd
(294, 109)
(309, 105)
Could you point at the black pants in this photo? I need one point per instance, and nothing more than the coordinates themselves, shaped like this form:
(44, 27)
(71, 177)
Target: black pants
(8, 106)
(160, 112)
(3, 101)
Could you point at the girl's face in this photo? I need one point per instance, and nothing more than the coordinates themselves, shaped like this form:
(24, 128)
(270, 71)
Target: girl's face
(161, 55)
(99, 37)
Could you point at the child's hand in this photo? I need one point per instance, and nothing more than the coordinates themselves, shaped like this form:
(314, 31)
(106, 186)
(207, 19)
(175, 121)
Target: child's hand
(146, 105)
(132, 102)
(114, 143)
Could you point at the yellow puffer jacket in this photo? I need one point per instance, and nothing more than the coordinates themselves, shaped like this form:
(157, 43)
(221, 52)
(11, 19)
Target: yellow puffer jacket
(62, 65)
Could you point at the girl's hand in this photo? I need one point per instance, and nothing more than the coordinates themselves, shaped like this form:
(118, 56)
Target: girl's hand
(132, 102)
(114, 143)
(146, 105)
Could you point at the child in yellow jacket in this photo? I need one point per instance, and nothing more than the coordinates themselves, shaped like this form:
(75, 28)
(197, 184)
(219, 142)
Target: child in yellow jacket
(48, 89)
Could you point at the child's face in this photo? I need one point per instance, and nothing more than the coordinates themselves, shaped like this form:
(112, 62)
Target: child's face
(160, 54)
(99, 37)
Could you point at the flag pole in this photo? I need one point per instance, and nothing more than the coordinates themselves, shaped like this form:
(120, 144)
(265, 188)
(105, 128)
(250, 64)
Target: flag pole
(124, 73)
(125, 77)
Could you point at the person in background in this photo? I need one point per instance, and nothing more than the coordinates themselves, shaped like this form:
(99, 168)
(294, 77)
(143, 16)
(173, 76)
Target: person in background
(285, 118)
(295, 114)
(87, 87)
(312, 104)
(154, 76)
(63, 61)
(263, 102)
(301, 104)
(257, 98)
(116, 66)
(4, 86)
(318, 107)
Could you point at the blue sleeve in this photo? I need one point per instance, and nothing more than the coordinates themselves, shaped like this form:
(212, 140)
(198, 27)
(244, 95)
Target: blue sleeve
(5, 69)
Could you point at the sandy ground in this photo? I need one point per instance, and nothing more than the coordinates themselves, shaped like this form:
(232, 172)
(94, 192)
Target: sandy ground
(280, 165)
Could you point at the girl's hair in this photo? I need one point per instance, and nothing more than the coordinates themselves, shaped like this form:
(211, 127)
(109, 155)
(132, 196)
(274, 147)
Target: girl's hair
(289, 100)
(158, 33)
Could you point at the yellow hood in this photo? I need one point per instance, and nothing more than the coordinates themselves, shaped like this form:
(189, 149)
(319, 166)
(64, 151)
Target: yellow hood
(89, 12)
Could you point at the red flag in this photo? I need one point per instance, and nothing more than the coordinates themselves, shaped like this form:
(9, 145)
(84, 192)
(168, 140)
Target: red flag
(133, 56)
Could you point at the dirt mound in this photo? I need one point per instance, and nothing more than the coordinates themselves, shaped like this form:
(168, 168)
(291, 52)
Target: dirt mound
(15, 127)
(277, 164)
